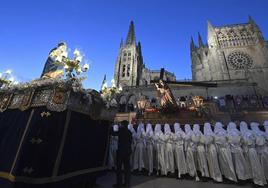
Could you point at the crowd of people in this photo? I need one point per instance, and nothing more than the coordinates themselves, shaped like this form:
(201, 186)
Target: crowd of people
(234, 152)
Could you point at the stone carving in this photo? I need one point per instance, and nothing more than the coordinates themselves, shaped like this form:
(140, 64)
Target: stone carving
(240, 60)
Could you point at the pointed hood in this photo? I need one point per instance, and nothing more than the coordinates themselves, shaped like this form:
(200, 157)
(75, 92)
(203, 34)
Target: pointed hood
(131, 38)
(208, 130)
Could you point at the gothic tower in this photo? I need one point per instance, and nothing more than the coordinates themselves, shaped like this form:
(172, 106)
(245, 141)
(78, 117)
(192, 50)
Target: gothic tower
(233, 52)
(129, 63)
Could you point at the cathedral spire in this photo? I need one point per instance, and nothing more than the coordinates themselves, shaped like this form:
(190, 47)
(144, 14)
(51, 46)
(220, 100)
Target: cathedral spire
(121, 43)
(192, 45)
(200, 40)
(250, 20)
(210, 27)
(103, 82)
(131, 38)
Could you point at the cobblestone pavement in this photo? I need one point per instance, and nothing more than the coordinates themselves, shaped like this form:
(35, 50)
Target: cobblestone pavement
(141, 181)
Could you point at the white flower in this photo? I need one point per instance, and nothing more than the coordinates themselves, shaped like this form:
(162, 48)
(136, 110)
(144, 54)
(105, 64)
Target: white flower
(11, 79)
(8, 71)
(16, 82)
(79, 70)
(78, 58)
(76, 53)
(66, 66)
(86, 66)
(64, 54)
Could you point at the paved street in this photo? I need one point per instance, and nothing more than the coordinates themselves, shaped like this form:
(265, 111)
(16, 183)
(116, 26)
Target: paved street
(140, 181)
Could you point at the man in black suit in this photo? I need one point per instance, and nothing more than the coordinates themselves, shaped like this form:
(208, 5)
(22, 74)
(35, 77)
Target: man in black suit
(123, 155)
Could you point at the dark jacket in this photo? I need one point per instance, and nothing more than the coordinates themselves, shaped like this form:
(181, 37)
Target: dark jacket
(124, 141)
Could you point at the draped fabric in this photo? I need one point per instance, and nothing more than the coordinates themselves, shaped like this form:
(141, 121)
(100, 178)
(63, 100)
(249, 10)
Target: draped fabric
(50, 151)
(261, 146)
(234, 139)
(191, 154)
(257, 171)
(149, 148)
(224, 152)
(212, 155)
(139, 153)
(198, 140)
(113, 147)
(169, 155)
(133, 145)
(160, 150)
(178, 145)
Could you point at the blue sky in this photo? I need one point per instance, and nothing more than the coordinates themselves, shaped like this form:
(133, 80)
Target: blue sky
(31, 28)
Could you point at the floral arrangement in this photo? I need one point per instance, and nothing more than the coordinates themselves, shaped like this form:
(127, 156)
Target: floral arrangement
(108, 94)
(6, 79)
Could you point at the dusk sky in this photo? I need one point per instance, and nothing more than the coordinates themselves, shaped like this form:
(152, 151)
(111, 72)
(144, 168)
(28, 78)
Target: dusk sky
(31, 28)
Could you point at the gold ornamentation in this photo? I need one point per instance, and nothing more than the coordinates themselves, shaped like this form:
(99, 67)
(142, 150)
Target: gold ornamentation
(16, 101)
(36, 141)
(26, 100)
(4, 101)
(59, 100)
(41, 98)
(28, 170)
(45, 114)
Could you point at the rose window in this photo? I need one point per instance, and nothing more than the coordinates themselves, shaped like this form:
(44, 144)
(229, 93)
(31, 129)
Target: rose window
(240, 60)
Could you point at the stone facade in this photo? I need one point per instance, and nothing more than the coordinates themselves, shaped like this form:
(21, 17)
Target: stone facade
(130, 69)
(232, 52)
(235, 61)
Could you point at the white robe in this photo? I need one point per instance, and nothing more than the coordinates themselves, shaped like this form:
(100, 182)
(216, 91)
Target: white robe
(160, 152)
(133, 144)
(149, 138)
(201, 153)
(190, 148)
(212, 156)
(224, 152)
(139, 154)
(178, 148)
(169, 155)
(241, 168)
(112, 152)
(261, 146)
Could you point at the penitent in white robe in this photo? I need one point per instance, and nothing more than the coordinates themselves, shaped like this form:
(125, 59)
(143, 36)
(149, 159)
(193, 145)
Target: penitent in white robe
(139, 153)
(160, 150)
(178, 148)
(261, 146)
(212, 155)
(191, 154)
(113, 149)
(201, 153)
(149, 138)
(169, 155)
(241, 168)
(133, 144)
(224, 152)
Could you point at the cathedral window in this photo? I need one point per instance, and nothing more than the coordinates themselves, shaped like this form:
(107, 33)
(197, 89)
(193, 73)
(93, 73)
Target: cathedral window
(125, 54)
(124, 59)
(129, 54)
(124, 71)
(128, 70)
(129, 58)
(240, 60)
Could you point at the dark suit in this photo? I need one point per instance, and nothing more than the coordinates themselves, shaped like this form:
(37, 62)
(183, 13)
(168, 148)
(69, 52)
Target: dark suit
(123, 155)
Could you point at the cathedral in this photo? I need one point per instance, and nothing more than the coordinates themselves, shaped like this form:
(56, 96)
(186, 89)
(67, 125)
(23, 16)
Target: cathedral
(130, 69)
(234, 61)
(233, 53)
